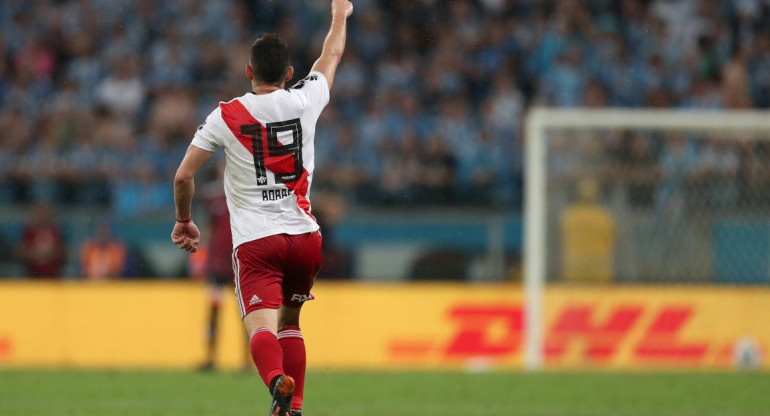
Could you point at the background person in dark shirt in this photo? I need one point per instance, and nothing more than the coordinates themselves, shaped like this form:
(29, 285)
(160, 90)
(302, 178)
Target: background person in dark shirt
(42, 250)
(218, 264)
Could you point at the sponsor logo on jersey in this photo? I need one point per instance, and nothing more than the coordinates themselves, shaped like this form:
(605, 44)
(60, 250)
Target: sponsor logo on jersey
(275, 194)
(301, 83)
(300, 298)
(262, 180)
(254, 300)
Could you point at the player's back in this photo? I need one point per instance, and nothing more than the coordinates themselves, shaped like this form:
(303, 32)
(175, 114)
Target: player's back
(269, 145)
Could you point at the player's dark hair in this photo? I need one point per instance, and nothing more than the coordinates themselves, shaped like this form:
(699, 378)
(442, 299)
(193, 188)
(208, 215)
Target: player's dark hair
(269, 58)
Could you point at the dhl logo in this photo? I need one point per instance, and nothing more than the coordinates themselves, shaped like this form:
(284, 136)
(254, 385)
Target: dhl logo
(579, 334)
(5, 346)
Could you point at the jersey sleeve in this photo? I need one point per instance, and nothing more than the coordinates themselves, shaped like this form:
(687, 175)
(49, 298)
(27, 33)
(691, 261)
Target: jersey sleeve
(209, 135)
(316, 89)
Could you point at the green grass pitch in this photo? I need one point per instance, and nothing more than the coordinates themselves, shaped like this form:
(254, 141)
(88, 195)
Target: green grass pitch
(54, 393)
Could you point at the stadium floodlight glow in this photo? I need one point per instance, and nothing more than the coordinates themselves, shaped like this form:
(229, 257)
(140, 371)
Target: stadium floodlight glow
(538, 121)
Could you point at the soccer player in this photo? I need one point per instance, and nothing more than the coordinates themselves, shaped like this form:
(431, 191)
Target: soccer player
(268, 135)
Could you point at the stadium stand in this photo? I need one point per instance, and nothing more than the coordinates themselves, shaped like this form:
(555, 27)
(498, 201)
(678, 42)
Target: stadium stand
(99, 98)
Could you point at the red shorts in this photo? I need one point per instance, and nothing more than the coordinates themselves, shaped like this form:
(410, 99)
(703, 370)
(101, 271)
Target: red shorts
(276, 270)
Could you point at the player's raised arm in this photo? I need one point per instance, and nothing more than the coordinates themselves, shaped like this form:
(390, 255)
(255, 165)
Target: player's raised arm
(185, 233)
(334, 45)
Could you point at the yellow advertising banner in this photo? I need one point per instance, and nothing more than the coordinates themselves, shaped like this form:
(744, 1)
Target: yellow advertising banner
(390, 326)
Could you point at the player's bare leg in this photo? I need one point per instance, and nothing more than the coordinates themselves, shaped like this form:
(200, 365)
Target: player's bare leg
(215, 299)
(294, 358)
(262, 325)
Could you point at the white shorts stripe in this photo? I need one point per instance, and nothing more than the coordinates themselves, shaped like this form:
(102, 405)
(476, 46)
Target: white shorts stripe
(237, 279)
(240, 291)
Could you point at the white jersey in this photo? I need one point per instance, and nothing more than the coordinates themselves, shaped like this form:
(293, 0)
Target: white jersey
(269, 145)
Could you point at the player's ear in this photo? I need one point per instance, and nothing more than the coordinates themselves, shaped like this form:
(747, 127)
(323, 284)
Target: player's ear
(289, 73)
(249, 73)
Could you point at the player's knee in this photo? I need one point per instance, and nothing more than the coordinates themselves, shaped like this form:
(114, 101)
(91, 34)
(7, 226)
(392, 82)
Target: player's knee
(288, 322)
(288, 317)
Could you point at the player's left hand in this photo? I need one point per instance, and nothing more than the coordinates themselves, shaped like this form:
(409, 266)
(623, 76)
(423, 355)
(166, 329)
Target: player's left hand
(186, 235)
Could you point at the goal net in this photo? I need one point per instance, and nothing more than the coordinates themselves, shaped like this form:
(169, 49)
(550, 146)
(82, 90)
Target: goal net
(634, 199)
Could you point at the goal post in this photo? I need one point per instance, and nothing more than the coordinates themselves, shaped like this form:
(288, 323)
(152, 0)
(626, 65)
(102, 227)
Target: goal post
(538, 124)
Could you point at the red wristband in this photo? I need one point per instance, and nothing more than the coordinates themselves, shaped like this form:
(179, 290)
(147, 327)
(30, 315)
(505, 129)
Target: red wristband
(184, 221)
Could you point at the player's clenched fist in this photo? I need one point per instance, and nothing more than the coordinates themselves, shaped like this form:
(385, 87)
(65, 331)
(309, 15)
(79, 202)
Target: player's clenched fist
(342, 7)
(186, 235)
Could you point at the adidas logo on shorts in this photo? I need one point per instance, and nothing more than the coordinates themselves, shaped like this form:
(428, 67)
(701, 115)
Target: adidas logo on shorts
(254, 300)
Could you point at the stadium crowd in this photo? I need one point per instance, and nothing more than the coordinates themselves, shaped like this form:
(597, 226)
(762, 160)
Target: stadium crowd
(99, 98)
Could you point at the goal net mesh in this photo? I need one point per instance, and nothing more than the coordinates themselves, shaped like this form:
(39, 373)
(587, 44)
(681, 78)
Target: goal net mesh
(622, 198)
(657, 206)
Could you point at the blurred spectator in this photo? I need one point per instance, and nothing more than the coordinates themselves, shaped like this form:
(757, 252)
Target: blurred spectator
(754, 173)
(349, 167)
(42, 250)
(638, 169)
(715, 174)
(759, 70)
(400, 167)
(563, 84)
(172, 114)
(436, 177)
(329, 210)
(102, 257)
(735, 82)
(122, 91)
(482, 170)
(506, 104)
(678, 162)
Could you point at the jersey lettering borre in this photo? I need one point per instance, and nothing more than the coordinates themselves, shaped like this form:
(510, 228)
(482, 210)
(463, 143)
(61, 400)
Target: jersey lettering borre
(269, 147)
